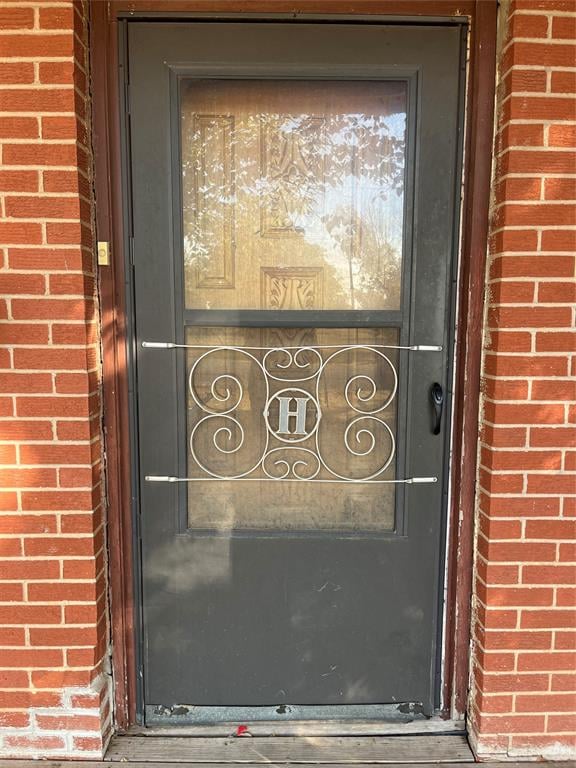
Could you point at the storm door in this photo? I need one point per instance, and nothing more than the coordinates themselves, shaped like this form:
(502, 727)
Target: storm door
(293, 207)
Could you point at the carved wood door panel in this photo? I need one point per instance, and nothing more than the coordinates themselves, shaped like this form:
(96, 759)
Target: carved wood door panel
(293, 204)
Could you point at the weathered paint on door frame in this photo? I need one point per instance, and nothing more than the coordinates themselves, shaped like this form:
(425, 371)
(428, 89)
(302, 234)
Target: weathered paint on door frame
(107, 93)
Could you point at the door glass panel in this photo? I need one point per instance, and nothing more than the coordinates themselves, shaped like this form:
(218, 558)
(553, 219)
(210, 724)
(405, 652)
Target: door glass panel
(291, 428)
(293, 194)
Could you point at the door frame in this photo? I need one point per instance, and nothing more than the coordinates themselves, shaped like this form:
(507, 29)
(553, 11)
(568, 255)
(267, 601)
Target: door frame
(111, 206)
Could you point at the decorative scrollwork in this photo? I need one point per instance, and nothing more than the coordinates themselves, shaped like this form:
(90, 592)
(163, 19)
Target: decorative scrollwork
(291, 414)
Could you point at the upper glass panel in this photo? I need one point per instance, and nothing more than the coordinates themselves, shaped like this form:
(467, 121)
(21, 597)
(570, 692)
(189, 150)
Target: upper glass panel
(293, 194)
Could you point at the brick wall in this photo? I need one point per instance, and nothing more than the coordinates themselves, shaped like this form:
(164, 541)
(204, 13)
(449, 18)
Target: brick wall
(524, 657)
(53, 690)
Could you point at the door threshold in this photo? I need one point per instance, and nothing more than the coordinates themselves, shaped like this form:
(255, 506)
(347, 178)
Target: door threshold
(433, 725)
(274, 750)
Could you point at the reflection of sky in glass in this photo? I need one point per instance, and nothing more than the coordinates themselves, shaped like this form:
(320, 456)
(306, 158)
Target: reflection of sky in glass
(304, 190)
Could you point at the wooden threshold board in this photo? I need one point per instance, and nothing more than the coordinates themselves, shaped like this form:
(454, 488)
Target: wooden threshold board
(286, 750)
(107, 764)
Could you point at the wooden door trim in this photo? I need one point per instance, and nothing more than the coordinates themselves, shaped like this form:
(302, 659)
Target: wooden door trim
(107, 142)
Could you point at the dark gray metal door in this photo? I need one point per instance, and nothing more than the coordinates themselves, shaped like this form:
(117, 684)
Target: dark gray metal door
(294, 188)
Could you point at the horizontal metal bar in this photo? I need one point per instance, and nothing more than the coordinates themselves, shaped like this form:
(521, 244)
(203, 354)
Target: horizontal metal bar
(307, 318)
(173, 479)
(172, 345)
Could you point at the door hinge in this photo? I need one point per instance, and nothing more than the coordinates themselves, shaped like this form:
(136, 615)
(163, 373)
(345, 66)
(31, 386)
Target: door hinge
(103, 253)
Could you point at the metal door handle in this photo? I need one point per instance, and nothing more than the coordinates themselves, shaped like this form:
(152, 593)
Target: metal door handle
(437, 397)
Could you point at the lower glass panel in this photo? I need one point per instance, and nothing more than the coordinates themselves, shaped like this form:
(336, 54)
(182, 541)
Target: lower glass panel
(291, 428)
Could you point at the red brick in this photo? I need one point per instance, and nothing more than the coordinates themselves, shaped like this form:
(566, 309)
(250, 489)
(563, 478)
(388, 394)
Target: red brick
(560, 723)
(551, 484)
(505, 413)
(524, 25)
(535, 53)
(14, 719)
(73, 430)
(52, 406)
(504, 437)
(23, 333)
(551, 529)
(70, 722)
(39, 154)
(59, 128)
(66, 592)
(507, 291)
(57, 18)
(504, 460)
(18, 128)
(502, 389)
(48, 678)
(21, 429)
(21, 284)
(563, 82)
(521, 596)
(55, 454)
(36, 100)
(61, 181)
(557, 188)
(67, 234)
(517, 552)
(18, 72)
(56, 500)
(566, 596)
(79, 569)
(8, 501)
(515, 240)
(534, 214)
(63, 637)
(27, 699)
(559, 240)
(556, 341)
(520, 135)
(516, 365)
(27, 524)
(35, 742)
(32, 657)
(16, 18)
(501, 483)
(56, 72)
(11, 636)
(49, 359)
(557, 292)
(80, 285)
(47, 258)
(30, 614)
(27, 478)
(512, 188)
(513, 724)
(567, 552)
(12, 233)
(552, 619)
(546, 703)
(553, 390)
(42, 207)
(531, 317)
(564, 27)
(534, 161)
(25, 382)
(18, 181)
(87, 743)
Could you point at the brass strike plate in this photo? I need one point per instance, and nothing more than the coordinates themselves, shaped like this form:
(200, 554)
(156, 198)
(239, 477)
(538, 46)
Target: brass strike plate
(103, 253)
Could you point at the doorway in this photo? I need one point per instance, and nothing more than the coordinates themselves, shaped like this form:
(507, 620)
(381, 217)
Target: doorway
(294, 194)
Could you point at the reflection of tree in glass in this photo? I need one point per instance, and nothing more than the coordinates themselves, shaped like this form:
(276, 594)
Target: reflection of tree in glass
(335, 180)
